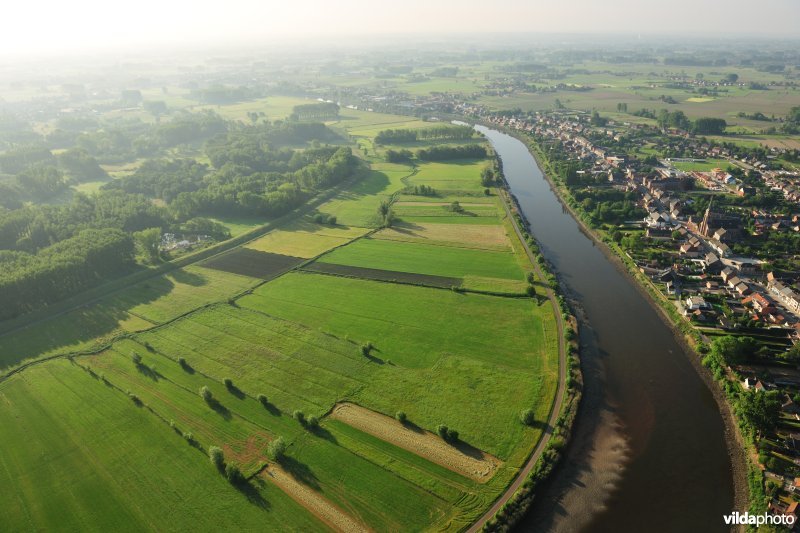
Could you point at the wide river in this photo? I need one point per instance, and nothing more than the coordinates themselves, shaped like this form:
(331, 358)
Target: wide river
(648, 452)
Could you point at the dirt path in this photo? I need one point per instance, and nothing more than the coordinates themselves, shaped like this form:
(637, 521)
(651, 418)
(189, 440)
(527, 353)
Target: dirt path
(312, 501)
(474, 464)
(522, 475)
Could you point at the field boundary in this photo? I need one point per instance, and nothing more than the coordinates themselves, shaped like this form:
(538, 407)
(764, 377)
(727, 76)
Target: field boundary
(558, 402)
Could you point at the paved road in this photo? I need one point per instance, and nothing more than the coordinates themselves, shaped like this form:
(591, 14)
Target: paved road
(522, 475)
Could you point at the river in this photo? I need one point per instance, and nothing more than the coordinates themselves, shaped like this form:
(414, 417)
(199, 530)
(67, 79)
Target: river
(649, 452)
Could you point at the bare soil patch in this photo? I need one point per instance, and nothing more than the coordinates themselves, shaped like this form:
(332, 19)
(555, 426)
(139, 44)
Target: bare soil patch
(466, 461)
(247, 262)
(491, 237)
(383, 275)
(312, 500)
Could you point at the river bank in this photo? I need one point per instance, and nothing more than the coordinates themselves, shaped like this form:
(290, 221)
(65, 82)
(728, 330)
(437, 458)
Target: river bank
(733, 437)
(649, 418)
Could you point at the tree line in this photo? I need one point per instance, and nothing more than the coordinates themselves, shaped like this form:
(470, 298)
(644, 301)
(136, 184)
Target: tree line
(437, 133)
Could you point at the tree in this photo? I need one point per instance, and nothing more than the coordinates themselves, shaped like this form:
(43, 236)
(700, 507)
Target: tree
(276, 449)
(732, 77)
(442, 430)
(206, 394)
(366, 348)
(313, 422)
(228, 382)
(401, 417)
(759, 410)
(136, 358)
(530, 290)
(527, 417)
(147, 242)
(234, 474)
(733, 350)
(262, 399)
(385, 214)
(216, 456)
(300, 417)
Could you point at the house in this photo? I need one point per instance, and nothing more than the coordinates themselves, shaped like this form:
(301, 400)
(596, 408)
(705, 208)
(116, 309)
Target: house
(742, 289)
(696, 302)
(753, 384)
(727, 273)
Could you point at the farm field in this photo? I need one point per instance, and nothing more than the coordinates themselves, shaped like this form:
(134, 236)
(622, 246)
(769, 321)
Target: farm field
(305, 239)
(314, 334)
(136, 308)
(424, 258)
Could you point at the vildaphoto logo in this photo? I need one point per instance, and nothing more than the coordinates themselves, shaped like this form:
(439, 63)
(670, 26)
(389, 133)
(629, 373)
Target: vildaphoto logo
(746, 519)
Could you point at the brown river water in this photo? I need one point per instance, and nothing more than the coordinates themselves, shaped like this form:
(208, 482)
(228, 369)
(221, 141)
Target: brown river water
(648, 450)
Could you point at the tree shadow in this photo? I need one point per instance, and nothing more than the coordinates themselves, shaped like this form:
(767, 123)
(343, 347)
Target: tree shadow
(252, 491)
(148, 372)
(300, 471)
(374, 359)
(188, 278)
(236, 391)
(468, 450)
(84, 323)
(272, 408)
(323, 433)
(220, 409)
(187, 368)
(413, 427)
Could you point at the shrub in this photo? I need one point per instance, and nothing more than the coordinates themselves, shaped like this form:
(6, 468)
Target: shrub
(135, 398)
(299, 416)
(313, 422)
(206, 394)
(136, 358)
(233, 474)
(182, 362)
(530, 290)
(262, 399)
(401, 417)
(442, 430)
(276, 449)
(228, 383)
(530, 278)
(216, 456)
(149, 347)
(527, 417)
(366, 348)
(189, 437)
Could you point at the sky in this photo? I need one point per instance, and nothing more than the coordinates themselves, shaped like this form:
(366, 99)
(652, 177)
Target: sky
(53, 27)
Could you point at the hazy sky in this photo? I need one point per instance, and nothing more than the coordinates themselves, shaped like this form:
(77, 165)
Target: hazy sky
(57, 26)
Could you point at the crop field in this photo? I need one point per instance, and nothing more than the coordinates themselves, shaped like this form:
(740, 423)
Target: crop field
(424, 258)
(136, 308)
(305, 239)
(383, 275)
(249, 262)
(322, 354)
(451, 176)
(109, 465)
(357, 206)
(473, 236)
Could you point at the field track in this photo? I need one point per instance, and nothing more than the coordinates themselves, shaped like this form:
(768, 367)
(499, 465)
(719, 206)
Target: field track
(555, 411)
(473, 464)
(313, 501)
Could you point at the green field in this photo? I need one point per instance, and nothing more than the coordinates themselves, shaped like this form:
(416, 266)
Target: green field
(423, 258)
(470, 360)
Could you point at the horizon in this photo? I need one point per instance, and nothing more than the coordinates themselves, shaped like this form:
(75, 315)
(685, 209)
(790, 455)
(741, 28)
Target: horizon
(89, 26)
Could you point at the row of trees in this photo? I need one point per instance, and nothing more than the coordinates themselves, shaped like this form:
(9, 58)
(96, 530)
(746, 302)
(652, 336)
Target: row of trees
(28, 281)
(436, 133)
(316, 112)
(444, 153)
